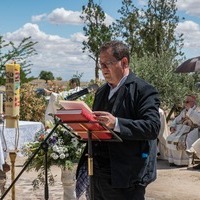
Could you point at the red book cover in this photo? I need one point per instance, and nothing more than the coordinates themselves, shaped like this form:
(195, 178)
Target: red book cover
(98, 131)
(99, 135)
(80, 118)
(75, 115)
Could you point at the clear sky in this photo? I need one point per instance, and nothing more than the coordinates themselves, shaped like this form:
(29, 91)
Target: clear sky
(56, 26)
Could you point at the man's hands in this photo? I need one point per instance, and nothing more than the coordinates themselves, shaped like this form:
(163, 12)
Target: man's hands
(172, 130)
(188, 106)
(106, 118)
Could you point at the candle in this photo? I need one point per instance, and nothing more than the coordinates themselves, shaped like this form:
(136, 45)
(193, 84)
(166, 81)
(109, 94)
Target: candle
(1, 103)
(12, 104)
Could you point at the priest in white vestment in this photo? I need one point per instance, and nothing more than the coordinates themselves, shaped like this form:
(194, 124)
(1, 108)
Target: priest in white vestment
(192, 152)
(184, 132)
(53, 103)
(163, 134)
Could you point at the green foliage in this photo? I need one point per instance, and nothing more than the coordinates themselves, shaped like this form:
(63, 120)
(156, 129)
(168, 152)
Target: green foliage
(89, 98)
(59, 78)
(32, 106)
(18, 53)
(158, 28)
(96, 31)
(159, 72)
(128, 26)
(46, 75)
(23, 77)
(150, 29)
(155, 47)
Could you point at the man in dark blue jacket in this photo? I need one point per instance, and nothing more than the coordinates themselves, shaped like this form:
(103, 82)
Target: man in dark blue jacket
(130, 107)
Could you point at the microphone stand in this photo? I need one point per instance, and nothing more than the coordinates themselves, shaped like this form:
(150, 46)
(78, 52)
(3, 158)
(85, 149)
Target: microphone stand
(80, 93)
(46, 187)
(44, 146)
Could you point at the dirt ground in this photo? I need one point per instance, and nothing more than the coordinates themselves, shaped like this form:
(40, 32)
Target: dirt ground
(172, 184)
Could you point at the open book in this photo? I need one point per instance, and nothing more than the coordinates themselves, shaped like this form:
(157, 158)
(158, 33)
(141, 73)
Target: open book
(78, 116)
(74, 105)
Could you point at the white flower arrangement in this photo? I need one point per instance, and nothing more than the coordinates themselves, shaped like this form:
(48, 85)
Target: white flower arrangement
(64, 151)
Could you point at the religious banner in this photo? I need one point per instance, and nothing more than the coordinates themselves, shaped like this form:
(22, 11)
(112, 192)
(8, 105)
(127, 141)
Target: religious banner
(12, 104)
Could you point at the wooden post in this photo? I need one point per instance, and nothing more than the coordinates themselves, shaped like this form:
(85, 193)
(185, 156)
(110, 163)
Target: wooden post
(13, 156)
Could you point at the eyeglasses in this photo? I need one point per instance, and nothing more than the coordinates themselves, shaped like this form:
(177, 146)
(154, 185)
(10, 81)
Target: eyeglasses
(187, 101)
(108, 64)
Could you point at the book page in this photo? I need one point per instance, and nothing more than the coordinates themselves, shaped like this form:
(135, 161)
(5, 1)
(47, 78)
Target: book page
(74, 105)
(70, 111)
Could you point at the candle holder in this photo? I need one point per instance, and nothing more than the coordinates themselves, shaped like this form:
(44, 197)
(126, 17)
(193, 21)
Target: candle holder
(12, 153)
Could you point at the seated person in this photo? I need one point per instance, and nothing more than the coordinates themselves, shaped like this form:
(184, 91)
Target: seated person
(52, 106)
(184, 132)
(194, 151)
(163, 134)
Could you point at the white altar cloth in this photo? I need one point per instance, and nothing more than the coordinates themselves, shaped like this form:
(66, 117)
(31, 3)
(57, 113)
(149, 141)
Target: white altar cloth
(27, 130)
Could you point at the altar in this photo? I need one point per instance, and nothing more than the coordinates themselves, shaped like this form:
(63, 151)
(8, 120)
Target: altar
(27, 130)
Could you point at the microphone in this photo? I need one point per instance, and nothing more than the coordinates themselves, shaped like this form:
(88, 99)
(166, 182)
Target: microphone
(91, 88)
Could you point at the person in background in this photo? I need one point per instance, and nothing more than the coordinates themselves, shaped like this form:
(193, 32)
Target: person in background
(184, 132)
(74, 85)
(129, 106)
(193, 152)
(162, 152)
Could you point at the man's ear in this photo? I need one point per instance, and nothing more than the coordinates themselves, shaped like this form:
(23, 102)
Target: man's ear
(124, 62)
